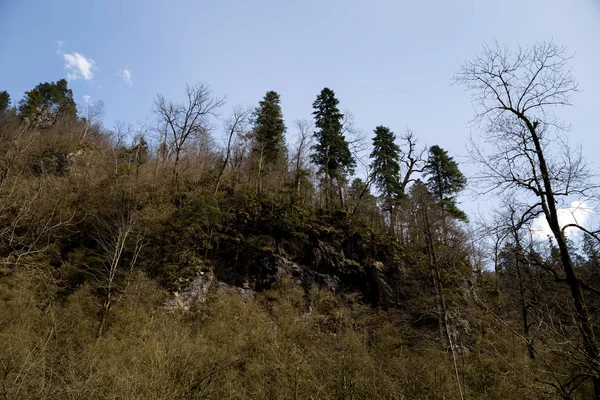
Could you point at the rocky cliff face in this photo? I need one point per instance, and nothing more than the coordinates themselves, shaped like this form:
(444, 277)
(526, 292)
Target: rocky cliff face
(329, 253)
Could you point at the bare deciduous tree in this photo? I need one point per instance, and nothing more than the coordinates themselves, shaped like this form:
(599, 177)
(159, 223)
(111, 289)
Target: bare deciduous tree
(515, 94)
(113, 237)
(427, 217)
(411, 159)
(305, 128)
(91, 113)
(412, 162)
(236, 125)
(179, 122)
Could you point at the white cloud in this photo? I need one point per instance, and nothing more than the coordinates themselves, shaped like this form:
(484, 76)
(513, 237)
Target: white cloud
(59, 46)
(87, 98)
(578, 213)
(78, 65)
(125, 74)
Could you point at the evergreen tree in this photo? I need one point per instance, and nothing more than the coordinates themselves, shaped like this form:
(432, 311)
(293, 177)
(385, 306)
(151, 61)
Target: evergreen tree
(445, 180)
(385, 167)
(591, 255)
(48, 102)
(269, 129)
(4, 100)
(331, 153)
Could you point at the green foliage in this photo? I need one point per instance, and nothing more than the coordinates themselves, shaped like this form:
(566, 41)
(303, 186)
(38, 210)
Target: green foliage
(132, 157)
(269, 129)
(47, 102)
(385, 164)
(330, 152)
(4, 101)
(445, 180)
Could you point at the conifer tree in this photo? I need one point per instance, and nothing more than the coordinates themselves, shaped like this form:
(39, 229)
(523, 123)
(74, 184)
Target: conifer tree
(268, 145)
(445, 180)
(591, 253)
(269, 129)
(4, 100)
(47, 102)
(331, 152)
(385, 166)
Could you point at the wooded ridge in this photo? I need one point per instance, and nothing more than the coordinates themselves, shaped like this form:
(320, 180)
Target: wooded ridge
(157, 264)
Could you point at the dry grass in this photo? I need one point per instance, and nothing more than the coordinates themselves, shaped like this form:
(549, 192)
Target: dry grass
(270, 347)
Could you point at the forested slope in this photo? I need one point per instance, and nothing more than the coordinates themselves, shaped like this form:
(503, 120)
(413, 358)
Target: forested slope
(153, 264)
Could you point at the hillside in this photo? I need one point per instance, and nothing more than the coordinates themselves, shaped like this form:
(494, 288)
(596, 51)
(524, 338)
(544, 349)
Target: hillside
(156, 264)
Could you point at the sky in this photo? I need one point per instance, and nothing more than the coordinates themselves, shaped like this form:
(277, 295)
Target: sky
(390, 62)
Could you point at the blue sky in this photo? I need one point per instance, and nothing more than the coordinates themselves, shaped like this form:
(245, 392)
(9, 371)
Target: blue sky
(389, 62)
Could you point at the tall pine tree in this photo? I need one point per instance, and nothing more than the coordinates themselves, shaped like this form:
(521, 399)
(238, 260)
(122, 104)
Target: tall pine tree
(385, 167)
(268, 145)
(445, 181)
(331, 152)
(4, 100)
(269, 128)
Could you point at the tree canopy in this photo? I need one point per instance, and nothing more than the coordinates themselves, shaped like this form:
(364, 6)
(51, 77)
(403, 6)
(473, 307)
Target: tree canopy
(4, 100)
(385, 164)
(331, 152)
(269, 129)
(47, 102)
(445, 180)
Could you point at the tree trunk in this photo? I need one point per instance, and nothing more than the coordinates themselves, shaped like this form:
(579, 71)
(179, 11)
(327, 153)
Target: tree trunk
(260, 165)
(522, 294)
(340, 193)
(327, 181)
(392, 212)
(175, 168)
(572, 279)
(433, 264)
(105, 309)
(222, 168)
